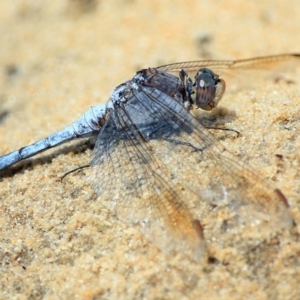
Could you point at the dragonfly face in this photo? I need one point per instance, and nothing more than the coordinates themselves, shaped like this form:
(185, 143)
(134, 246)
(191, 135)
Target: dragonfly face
(205, 92)
(209, 89)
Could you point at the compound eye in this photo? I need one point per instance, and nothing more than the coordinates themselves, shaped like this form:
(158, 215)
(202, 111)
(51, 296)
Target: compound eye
(209, 89)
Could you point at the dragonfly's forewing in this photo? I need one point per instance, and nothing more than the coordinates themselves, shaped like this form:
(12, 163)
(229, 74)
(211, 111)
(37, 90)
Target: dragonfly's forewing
(246, 72)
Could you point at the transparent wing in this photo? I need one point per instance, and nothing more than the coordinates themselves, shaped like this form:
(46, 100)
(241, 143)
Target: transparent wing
(231, 196)
(131, 183)
(162, 179)
(245, 72)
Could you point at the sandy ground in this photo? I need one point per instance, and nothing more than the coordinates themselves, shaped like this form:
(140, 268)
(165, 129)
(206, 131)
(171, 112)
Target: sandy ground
(58, 58)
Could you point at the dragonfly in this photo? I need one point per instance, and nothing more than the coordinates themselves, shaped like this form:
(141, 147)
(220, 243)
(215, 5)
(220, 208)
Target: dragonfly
(146, 135)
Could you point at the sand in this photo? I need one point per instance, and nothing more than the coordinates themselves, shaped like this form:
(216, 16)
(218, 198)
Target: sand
(58, 58)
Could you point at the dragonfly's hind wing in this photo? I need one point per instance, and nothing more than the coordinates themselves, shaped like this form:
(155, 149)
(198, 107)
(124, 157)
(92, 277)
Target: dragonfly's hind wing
(134, 185)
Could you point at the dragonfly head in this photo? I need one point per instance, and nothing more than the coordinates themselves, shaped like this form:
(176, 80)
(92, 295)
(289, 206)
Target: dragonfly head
(209, 89)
